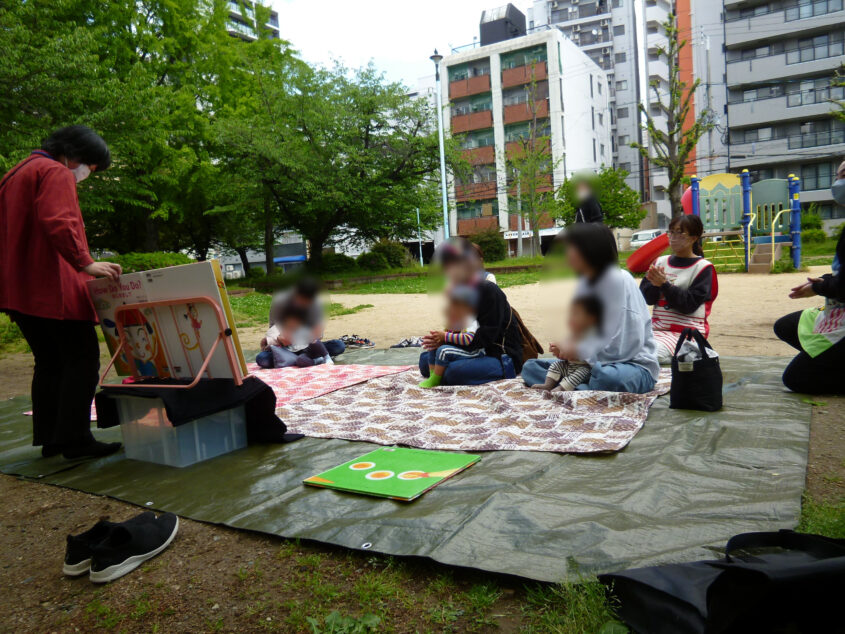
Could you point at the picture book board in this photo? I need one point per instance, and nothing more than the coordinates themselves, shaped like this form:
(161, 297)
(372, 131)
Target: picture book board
(394, 472)
(167, 341)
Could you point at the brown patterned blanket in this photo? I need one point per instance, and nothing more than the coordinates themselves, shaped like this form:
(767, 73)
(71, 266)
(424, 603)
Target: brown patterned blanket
(503, 415)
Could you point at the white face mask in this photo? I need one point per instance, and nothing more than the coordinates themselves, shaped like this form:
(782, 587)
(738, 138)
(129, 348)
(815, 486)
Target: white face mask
(81, 172)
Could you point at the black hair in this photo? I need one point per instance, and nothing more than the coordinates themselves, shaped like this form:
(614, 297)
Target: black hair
(591, 305)
(80, 144)
(693, 226)
(306, 287)
(454, 250)
(294, 312)
(594, 241)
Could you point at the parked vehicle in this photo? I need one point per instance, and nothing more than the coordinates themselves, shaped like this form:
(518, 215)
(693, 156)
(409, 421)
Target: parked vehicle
(640, 238)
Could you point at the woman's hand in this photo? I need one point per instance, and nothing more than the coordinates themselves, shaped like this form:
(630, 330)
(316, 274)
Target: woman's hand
(656, 275)
(110, 270)
(434, 339)
(804, 290)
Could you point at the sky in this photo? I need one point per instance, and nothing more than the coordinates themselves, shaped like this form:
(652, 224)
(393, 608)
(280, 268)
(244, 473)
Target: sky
(397, 35)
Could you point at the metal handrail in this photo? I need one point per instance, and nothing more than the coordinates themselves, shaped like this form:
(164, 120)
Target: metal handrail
(774, 223)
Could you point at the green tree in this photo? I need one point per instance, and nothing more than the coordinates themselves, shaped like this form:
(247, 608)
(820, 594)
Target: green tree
(530, 169)
(345, 156)
(620, 204)
(670, 145)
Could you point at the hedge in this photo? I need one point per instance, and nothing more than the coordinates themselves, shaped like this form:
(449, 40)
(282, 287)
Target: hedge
(134, 262)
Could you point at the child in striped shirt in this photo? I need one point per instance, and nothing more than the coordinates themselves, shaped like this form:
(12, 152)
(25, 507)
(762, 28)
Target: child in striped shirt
(458, 336)
(568, 373)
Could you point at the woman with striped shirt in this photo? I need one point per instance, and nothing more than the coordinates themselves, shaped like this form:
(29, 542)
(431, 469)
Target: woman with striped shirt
(681, 286)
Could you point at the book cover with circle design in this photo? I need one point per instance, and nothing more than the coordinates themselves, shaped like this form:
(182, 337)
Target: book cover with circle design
(394, 472)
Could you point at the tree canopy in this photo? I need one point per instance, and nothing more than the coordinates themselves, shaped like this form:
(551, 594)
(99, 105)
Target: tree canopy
(620, 204)
(216, 141)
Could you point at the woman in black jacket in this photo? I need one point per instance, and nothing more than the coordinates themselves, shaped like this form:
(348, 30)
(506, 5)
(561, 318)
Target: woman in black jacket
(819, 334)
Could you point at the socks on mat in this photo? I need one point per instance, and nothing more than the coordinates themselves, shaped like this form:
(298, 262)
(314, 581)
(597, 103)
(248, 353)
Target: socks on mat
(432, 381)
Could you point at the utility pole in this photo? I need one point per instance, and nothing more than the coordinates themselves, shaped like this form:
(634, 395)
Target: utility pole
(437, 58)
(518, 217)
(419, 235)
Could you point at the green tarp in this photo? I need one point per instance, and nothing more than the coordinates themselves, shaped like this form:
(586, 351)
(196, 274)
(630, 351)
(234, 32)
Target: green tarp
(686, 483)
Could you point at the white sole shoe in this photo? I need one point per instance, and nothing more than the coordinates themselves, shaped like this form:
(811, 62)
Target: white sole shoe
(77, 570)
(128, 565)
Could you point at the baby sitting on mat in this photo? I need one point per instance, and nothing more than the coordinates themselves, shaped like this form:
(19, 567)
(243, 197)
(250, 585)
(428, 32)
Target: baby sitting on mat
(567, 372)
(461, 325)
(291, 343)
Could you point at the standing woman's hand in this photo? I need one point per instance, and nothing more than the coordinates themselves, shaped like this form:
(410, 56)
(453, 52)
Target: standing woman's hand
(110, 270)
(656, 275)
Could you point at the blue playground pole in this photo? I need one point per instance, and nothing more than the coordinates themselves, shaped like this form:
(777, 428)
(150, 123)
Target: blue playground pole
(696, 210)
(795, 219)
(745, 179)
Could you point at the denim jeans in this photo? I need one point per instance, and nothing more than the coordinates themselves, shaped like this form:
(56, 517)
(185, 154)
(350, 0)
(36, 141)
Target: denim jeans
(445, 355)
(467, 371)
(607, 377)
(335, 347)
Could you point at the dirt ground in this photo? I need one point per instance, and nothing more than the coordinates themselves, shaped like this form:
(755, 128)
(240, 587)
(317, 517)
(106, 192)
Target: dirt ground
(218, 579)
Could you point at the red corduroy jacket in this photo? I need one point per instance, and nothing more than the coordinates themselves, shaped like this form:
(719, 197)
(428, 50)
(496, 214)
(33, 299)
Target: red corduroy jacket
(43, 248)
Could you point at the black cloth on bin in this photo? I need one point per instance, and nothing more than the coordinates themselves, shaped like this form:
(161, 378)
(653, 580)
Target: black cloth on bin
(767, 582)
(207, 397)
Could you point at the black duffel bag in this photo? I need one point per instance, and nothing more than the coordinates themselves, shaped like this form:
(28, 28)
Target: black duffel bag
(767, 582)
(696, 384)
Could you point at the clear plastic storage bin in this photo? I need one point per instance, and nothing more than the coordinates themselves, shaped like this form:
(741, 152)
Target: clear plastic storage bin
(148, 435)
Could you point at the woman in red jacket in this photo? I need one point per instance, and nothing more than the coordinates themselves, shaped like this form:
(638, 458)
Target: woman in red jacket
(44, 264)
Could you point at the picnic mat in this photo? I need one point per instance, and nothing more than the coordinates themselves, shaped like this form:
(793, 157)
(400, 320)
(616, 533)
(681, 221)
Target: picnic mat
(292, 385)
(686, 483)
(504, 415)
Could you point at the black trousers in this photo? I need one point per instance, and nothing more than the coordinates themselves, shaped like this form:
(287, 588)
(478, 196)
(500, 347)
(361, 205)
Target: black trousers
(823, 374)
(67, 363)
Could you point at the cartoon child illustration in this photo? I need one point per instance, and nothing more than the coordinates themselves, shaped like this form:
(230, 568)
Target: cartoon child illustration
(143, 343)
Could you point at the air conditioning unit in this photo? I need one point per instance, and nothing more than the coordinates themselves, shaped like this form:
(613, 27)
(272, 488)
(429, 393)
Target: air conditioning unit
(605, 51)
(554, 4)
(576, 28)
(605, 22)
(574, 1)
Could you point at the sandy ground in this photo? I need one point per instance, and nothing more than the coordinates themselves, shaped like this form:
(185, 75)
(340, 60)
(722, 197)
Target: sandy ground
(740, 324)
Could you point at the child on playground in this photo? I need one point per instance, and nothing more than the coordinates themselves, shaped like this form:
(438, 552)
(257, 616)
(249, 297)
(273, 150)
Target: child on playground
(460, 331)
(568, 374)
(290, 343)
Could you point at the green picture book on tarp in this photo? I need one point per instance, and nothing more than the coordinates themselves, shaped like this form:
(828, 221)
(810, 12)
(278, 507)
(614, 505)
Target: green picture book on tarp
(394, 472)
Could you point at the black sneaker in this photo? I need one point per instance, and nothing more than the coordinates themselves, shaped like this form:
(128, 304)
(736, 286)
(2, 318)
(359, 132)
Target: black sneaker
(78, 552)
(129, 545)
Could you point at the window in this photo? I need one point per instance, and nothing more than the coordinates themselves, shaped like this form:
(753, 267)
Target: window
(625, 167)
(475, 68)
(601, 119)
(624, 140)
(598, 87)
(601, 150)
(818, 47)
(481, 138)
(593, 117)
(521, 131)
(477, 103)
(619, 57)
(617, 4)
(595, 158)
(622, 113)
(622, 84)
(817, 176)
(524, 57)
(619, 29)
(591, 86)
(477, 209)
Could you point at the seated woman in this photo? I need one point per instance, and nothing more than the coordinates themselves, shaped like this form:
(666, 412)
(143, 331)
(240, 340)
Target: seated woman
(497, 333)
(623, 354)
(681, 287)
(819, 334)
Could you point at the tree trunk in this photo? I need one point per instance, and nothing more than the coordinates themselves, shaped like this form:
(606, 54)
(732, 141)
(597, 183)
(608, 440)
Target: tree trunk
(268, 236)
(535, 240)
(150, 234)
(315, 261)
(242, 253)
(675, 194)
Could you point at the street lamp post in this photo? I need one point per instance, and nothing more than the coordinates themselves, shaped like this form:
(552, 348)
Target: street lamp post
(437, 58)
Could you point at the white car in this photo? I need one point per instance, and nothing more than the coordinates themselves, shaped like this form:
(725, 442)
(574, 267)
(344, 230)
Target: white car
(640, 238)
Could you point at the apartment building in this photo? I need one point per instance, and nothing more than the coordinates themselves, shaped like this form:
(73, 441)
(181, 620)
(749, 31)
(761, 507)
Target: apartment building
(780, 59)
(490, 93)
(242, 24)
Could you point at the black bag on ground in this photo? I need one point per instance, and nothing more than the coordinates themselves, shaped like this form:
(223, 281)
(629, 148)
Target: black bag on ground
(696, 384)
(767, 582)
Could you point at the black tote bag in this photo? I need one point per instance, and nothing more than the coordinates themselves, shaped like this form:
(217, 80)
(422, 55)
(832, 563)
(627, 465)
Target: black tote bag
(696, 384)
(767, 582)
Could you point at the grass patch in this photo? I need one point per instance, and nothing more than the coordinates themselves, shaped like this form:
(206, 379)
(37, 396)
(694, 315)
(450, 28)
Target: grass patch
(822, 518)
(253, 309)
(570, 608)
(11, 338)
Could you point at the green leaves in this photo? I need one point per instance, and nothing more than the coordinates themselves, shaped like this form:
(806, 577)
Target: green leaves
(620, 204)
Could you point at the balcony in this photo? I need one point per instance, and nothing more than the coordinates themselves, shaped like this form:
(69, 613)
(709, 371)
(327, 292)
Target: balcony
(514, 149)
(546, 222)
(523, 111)
(656, 15)
(774, 68)
(544, 184)
(525, 74)
(484, 155)
(813, 145)
(784, 23)
(469, 86)
(469, 226)
(476, 191)
(472, 121)
(791, 107)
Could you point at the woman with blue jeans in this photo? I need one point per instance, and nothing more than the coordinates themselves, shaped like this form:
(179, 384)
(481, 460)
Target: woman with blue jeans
(623, 353)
